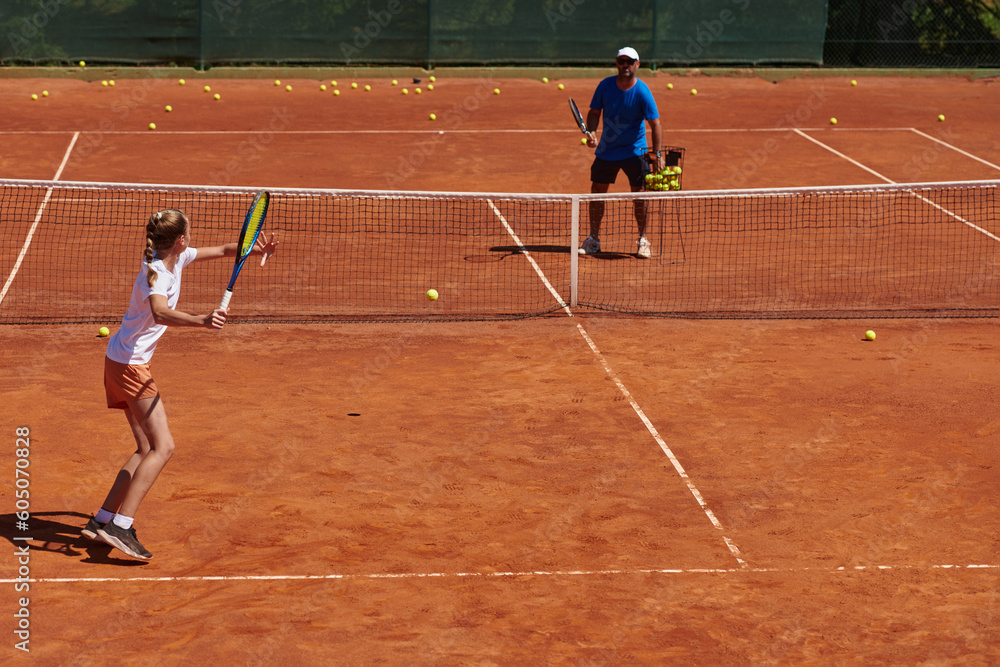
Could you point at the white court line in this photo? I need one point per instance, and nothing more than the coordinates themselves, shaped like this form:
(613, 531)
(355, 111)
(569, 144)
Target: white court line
(500, 575)
(889, 180)
(531, 260)
(38, 217)
(839, 154)
(955, 148)
(733, 549)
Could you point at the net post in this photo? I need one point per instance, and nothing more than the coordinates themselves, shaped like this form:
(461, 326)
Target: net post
(574, 256)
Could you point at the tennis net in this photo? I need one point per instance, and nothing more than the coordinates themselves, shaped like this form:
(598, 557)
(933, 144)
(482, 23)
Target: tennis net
(70, 251)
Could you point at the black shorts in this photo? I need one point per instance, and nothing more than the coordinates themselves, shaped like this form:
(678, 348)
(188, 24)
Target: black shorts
(606, 171)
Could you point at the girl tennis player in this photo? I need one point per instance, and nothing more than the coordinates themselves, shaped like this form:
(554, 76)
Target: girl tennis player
(127, 379)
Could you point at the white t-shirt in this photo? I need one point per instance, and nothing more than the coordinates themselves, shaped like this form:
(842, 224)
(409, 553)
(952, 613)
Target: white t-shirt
(135, 340)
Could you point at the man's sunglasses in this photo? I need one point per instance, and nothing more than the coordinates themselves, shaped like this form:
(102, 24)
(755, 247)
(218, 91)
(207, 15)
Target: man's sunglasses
(625, 61)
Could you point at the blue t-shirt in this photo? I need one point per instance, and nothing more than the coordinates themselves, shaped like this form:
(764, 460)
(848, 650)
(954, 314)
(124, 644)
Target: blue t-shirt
(625, 113)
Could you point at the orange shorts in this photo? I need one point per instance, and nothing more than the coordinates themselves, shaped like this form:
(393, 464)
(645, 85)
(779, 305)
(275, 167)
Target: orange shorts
(125, 382)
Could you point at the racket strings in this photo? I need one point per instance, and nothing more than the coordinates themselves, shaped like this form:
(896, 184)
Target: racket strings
(253, 228)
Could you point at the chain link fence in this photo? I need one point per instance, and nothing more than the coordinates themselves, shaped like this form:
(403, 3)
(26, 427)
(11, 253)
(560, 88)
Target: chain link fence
(913, 33)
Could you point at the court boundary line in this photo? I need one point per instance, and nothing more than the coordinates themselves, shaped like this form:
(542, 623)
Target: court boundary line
(955, 148)
(888, 180)
(38, 218)
(531, 260)
(505, 574)
(733, 549)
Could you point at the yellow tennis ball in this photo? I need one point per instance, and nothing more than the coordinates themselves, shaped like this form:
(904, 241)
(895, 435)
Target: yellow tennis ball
(182, 82)
(853, 82)
(322, 86)
(670, 86)
(367, 87)
(277, 82)
(103, 332)
(432, 79)
(694, 91)
(152, 126)
(168, 108)
(45, 93)
(870, 335)
(833, 121)
(111, 82)
(545, 79)
(207, 89)
(432, 295)
(34, 96)
(83, 64)
(583, 140)
(496, 91)
(417, 91)
(104, 83)
(561, 86)
(433, 116)
(405, 91)
(430, 86)
(217, 96)
(395, 82)
(354, 85)
(336, 92)
(288, 87)
(940, 117)
(333, 83)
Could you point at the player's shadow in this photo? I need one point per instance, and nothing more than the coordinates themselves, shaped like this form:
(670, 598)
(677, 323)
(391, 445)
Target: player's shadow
(605, 255)
(501, 252)
(49, 534)
(520, 250)
(498, 253)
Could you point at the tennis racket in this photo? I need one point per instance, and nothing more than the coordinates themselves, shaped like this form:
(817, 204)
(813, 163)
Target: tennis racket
(579, 118)
(252, 225)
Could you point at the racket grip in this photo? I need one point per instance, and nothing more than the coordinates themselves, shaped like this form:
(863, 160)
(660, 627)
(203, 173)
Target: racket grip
(225, 299)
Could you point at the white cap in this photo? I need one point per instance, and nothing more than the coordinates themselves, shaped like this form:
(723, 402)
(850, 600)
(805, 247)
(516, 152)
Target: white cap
(628, 52)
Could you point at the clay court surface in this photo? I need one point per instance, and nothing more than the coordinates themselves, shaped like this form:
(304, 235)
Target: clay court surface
(576, 489)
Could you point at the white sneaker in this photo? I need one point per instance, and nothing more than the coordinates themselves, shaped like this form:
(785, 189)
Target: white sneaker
(591, 246)
(645, 250)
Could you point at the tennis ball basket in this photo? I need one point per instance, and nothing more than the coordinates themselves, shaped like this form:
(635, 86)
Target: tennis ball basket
(668, 178)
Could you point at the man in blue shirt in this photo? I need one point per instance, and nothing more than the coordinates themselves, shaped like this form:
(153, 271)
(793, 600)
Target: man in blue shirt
(627, 104)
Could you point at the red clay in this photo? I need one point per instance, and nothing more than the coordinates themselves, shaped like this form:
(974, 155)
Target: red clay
(484, 493)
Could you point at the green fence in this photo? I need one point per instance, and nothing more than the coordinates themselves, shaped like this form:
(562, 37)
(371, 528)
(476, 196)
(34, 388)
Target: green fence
(913, 33)
(478, 32)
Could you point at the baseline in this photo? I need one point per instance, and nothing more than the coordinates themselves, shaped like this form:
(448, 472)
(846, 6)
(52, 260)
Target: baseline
(498, 575)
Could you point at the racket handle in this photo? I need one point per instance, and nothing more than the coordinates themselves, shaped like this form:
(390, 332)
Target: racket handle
(225, 299)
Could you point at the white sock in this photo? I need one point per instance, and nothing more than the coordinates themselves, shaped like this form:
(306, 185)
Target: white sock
(123, 521)
(103, 516)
